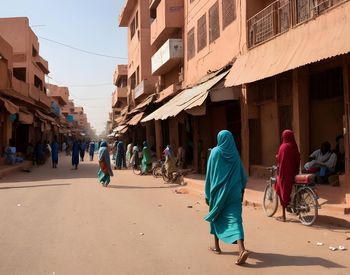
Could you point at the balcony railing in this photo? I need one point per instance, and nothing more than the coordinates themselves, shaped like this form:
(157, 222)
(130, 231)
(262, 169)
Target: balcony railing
(282, 15)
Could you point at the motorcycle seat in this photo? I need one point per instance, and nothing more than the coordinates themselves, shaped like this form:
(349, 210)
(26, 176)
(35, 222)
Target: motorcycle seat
(305, 179)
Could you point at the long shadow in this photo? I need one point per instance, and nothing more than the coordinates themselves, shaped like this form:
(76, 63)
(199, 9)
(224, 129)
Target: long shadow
(278, 260)
(140, 187)
(327, 222)
(34, 186)
(85, 170)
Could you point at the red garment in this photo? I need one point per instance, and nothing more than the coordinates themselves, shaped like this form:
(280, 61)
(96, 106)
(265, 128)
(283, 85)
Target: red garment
(288, 159)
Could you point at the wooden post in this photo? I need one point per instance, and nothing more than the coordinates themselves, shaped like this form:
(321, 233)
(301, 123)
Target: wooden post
(196, 155)
(159, 138)
(301, 112)
(346, 80)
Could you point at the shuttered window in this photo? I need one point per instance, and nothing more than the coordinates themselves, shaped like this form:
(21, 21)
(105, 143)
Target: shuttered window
(228, 12)
(202, 33)
(191, 46)
(214, 25)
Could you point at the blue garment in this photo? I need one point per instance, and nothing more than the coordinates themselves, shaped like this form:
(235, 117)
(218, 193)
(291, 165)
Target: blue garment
(224, 188)
(92, 148)
(104, 159)
(54, 152)
(82, 150)
(75, 153)
(120, 159)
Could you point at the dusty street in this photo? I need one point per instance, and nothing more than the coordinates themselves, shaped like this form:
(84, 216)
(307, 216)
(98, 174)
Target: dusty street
(63, 222)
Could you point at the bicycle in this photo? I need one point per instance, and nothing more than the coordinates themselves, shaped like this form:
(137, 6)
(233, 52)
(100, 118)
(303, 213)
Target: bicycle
(304, 199)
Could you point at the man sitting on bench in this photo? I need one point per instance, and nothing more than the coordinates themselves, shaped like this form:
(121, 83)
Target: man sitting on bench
(322, 162)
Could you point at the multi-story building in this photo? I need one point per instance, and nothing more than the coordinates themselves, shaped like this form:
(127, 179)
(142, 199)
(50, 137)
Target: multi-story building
(27, 84)
(294, 74)
(120, 94)
(141, 83)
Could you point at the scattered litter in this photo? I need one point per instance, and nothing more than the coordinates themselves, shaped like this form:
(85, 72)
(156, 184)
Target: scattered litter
(307, 241)
(141, 234)
(319, 244)
(159, 205)
(19, 205)
(189, 206)
(197, 202)
(332, 248)
(348, 236)
(342, 248)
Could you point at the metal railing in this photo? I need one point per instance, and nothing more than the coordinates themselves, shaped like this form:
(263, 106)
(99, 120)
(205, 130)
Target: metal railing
(281, 15)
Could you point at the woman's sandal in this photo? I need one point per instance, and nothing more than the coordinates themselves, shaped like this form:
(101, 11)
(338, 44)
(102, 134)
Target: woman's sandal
(281, 219)
(214, 250)
(243, 256)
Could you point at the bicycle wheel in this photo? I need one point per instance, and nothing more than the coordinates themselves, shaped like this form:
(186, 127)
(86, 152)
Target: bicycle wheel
(307, 206)
(157, 171)
(270, 202)
(166, 177)
(137, 169)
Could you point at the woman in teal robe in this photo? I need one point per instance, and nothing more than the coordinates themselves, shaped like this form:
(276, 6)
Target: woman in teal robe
(105, 172)
(146, 164)
(224, 189)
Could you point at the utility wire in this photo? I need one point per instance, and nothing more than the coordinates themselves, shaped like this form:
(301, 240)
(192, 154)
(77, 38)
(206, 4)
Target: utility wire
(81, 50)
(80, 85)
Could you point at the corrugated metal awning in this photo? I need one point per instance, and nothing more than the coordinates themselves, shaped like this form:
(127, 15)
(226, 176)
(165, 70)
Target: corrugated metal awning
(187, 99)
(10, 107)
(326, 36)
(136, 119)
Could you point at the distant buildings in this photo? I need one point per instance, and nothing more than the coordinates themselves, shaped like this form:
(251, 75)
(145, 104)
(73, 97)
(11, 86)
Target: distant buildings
(30, 109)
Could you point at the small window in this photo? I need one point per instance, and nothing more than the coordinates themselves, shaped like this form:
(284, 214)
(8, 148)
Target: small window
(191, 46)
(214, 25)
(228, 12)
(202, 32)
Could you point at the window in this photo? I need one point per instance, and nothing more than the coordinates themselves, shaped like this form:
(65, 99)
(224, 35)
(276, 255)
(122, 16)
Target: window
(138, 75)
(20, 73)
(191, 47)
(228, 12)
(134, 25)
(214, 25)
(202, 33)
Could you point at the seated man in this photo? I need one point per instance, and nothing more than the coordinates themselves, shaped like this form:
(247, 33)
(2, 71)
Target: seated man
(323, 161)
(10, 155)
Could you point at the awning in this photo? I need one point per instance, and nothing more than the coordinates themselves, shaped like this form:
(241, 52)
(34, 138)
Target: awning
(119, 128)
(10, 107)
(186, 100)
(25, 117)
(124, 130)
(136, 119)
(45, 117)
(142, 105)
(323, 37)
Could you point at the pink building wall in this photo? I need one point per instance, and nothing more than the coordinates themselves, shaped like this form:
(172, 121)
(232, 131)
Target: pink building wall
(212, 57)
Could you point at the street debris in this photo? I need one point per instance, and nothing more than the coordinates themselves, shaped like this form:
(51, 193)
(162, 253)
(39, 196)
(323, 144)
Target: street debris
(319, 244)
(332, 248)
(347, 236)
(19, 205)
(189, 206)
(159, 205)
(141, 234)
(342, 248)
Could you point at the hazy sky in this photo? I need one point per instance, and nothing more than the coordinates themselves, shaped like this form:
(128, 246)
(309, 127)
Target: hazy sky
(91, 25)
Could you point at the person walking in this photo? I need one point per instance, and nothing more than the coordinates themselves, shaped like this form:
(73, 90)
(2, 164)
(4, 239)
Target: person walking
(92, 150)
(82, 150)
(170, 161)
(54, 153)
(105, 172)
(128, 155)
(288, 159)
(120, 158)
(75, 155)
(224, 189)
(146, 164)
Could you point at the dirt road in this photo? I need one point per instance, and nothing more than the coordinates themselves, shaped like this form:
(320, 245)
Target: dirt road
(63, 222)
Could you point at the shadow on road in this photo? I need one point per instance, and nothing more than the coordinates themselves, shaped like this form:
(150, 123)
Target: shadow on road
(278, 260)
(140, 187)
(34, 186)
